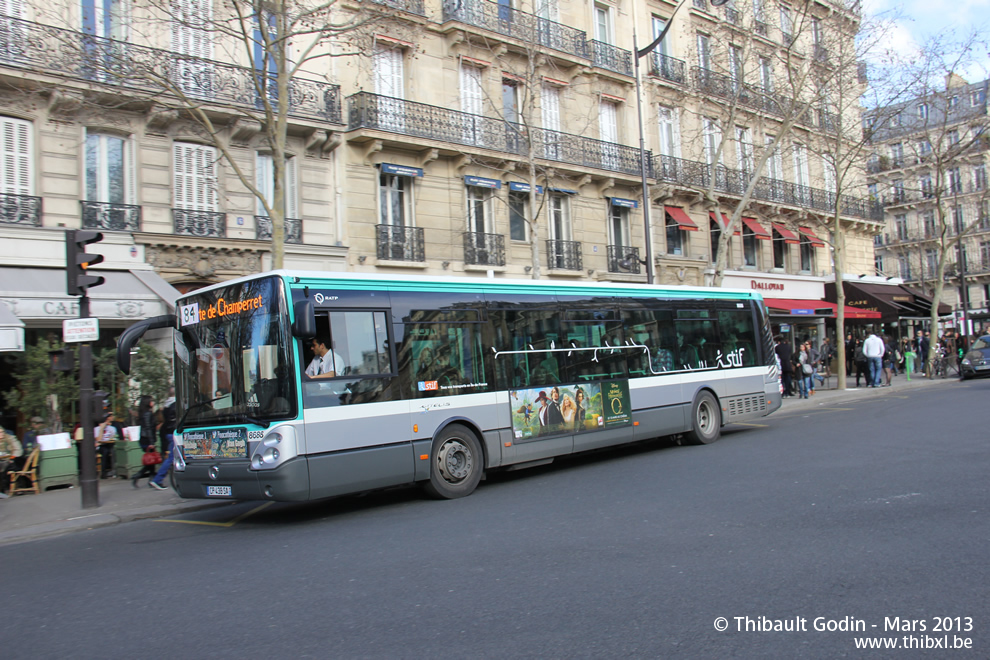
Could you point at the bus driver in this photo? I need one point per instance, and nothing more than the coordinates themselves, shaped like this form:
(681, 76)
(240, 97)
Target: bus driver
(326, 362)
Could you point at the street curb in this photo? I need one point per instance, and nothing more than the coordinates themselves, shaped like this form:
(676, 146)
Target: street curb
(97, 520)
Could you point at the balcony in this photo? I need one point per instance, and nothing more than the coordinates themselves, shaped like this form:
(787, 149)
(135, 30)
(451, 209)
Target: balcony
(111, 217)
(716, 84)
(668, 68)
(396, 243)
(564, 255)
(151, 71)
(208, 224)
(484, 249)
(20, 210)
(293, 229)
(435, 123)
(623, 259)
(699, 175)
(612, 58)
(531, 30)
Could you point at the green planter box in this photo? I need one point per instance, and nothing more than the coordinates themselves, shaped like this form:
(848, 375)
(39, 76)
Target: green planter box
(127, 455)
(58, 467)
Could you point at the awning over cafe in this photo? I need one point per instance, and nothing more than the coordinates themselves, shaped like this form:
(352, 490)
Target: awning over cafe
(892, 301)
(810, 235)
(786, 234)
(819, 308)
(756, 228)
(724, 222)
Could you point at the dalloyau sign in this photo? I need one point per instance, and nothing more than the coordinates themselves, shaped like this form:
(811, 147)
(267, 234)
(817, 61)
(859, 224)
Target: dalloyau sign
(766, 286)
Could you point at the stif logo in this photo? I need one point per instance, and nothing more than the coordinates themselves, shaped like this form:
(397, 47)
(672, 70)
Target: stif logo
(428, 385)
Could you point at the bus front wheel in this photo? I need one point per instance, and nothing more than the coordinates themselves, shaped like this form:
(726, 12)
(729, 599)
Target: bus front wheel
(456, 463)
(706, 420)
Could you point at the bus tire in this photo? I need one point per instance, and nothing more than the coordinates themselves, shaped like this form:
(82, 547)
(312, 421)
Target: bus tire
(706, 420)
(456, 463)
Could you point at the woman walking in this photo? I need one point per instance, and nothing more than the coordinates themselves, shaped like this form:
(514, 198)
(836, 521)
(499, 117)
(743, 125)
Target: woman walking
(146, 418)
(806, 370)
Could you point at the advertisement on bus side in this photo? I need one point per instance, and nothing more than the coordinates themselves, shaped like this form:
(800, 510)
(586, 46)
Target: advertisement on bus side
(215, 443)
(569, 408)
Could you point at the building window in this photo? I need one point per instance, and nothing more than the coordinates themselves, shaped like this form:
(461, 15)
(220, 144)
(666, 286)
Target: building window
(897, 191)
(807, 255)
(16, 157)
(958, 220)
(923, 111)
(779, 251)
(560, 218)
(985, 255)
(675, 237)
(195, 177)
(985, 214)
(928, 219)
(265, 180)
(389, 81)
(736, 72)
(518, 215)
(895, 120)
(704, 53)
(786, 26)
(750, 248)
(712, 139)
(395, 193)
(192, 37)
(479, 219)
(900, 226)
(872, 191)
(878, 264)
(955, 180)
(669, 132)
(603, 24)
(744, 149)
(953, 137)
(980, 177)
(904, 267)
(766, 75)
(109, 171)
(976, 98)
(954, 102)
(714, 233)
(897, 154)
(618, 226)
(931, 261)
(924, 148)
(925, 185)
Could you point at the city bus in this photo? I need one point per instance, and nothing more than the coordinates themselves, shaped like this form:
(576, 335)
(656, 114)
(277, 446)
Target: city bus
(304, 385)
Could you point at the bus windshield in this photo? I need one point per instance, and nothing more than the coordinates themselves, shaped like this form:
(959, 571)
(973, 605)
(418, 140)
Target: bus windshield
(233, 355)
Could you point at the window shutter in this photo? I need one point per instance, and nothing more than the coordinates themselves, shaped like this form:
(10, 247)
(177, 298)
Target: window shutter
(16, 161)
(264, 180)
(470, 89)
(291, 189)
(195, 177)
(551, 108)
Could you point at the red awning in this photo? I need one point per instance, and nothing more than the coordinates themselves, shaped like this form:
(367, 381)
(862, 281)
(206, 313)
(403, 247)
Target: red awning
(681, 218)
(724, 223)
(817, 242)
(790, 307)
(756, 228)
(787, 234)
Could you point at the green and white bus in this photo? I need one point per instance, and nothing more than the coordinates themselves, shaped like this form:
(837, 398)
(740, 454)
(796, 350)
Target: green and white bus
(439, 380)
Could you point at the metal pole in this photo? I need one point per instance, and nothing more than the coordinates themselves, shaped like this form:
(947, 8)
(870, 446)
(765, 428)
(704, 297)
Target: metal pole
(647, 202)
(88, 479)
(965, 289)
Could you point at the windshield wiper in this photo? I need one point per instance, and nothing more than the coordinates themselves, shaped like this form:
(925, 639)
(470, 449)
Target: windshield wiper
(195, 406)
(247, 418)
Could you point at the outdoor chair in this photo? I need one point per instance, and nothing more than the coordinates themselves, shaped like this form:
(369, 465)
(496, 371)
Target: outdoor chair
(30, 471)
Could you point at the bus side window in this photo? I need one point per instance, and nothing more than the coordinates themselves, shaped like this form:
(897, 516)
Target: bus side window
(520, 338)
(736, 328)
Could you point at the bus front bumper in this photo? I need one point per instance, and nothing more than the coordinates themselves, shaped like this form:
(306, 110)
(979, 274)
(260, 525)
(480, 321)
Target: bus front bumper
(234, 480)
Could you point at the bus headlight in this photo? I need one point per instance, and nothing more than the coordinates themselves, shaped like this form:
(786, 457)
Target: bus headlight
(276, 447)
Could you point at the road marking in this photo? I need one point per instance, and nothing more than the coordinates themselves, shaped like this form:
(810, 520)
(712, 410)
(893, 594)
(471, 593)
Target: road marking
(229, 523)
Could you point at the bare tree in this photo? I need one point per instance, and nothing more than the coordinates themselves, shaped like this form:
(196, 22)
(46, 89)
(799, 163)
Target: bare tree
(258, 60)
(944, 134)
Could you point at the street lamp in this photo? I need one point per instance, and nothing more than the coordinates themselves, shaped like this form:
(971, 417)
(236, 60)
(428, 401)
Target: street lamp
(642, 143)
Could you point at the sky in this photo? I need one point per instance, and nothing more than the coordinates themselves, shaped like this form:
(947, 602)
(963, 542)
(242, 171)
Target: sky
(916, 21)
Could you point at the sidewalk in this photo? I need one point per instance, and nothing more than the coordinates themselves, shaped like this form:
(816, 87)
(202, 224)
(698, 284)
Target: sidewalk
(828, 393)
(59, 511)
(54, 512)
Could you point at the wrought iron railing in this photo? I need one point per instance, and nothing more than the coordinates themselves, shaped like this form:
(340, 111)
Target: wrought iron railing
(400, 243)
(668, 68)
(623, 259)
(612, 58)
(20, 209)
(484, 249)
(37, 47)
(564, 255)
(293, 229)
(212, 224)
(734, 182)
(112, 217)
(531, 29)
(385, 113)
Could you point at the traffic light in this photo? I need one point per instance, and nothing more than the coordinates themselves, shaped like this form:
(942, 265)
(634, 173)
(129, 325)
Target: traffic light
(77, 260)
(63, 359)
(100, 401)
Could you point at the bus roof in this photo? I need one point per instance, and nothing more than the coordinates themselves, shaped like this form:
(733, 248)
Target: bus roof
(433, 283)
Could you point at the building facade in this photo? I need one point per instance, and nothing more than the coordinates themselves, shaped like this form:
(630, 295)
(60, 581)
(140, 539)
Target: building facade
(472, 138)
(929, 169)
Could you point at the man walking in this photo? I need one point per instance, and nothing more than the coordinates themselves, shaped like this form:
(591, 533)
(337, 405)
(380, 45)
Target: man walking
(873, 350)
(785, 352)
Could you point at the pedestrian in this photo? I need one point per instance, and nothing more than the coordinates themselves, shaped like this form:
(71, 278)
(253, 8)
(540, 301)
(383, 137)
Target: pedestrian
(30, 438)
(909, 357)
(850, 354)
(168, 422)
(951, 352)
(828, 354)
(815, 357)
(805, 370)
(862, 366)
(785, 352)
(873, 351)
(888, 360)
(146, 420)
(10, 450)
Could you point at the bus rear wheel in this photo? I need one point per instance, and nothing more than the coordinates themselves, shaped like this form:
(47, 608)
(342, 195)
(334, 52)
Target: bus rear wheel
(456, 463)
(706, 420)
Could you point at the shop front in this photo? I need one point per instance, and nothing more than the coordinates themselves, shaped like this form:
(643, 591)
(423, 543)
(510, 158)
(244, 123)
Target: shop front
(900, 309)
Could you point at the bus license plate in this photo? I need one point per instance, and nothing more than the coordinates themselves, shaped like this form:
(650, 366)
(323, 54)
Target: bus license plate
(218, 491)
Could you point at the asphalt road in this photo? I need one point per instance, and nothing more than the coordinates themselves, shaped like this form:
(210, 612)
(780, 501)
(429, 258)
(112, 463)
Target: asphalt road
(865, 513)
